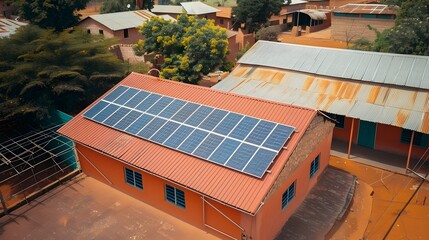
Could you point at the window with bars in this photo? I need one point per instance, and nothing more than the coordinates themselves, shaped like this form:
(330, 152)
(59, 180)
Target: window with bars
(314, 166)
(288, 195)
(175, 196)
(133, 178)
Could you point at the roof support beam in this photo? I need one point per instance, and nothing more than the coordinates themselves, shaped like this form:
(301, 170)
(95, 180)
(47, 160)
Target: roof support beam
(409, 151)
(351, 138)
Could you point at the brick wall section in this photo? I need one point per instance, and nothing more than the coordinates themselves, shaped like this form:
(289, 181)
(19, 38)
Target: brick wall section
(358, 27)
(318, 130)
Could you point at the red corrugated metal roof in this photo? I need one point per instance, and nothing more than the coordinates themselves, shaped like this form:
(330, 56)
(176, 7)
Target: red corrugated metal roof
(228, 186)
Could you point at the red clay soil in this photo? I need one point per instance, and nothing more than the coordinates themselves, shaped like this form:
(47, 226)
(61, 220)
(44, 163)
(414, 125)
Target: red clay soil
(391, 192)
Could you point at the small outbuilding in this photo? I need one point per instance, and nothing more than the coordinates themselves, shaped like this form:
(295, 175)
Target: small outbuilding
(232, 165)
(350, 22)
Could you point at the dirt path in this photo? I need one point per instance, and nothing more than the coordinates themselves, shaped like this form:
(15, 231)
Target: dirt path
(320, 39)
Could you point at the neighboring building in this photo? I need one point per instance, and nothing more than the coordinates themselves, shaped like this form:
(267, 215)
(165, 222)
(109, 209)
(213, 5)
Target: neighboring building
(247, 189)
(197, 9)
(224, 17)
(286, 12)
(7, 9)
(9, 27)
(122, 25)
(350, 22)
(380, 100)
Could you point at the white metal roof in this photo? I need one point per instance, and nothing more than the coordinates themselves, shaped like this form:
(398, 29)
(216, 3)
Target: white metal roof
(167, 9)
(375, 67)
(9, 27)
(198, 8)
(123, 20)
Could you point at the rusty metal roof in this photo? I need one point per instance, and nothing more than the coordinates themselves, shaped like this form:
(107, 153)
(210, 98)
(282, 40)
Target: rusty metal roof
(367, 9)
(225, 185)
(122, 20)
(363, 66)
(388, 104)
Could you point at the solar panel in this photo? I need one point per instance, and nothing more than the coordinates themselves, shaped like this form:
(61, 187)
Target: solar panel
(233, 140)
(148, 102)
(105, 113)
(127, 95)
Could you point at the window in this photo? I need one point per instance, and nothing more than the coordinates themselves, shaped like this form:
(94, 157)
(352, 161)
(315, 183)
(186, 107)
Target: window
(288, 195)
(314, 166)
(175, 196)
(100, 31)
(339, 118)
(133, 178)
(420, 139)
(221, 21)
(88, 31)
(125, 33)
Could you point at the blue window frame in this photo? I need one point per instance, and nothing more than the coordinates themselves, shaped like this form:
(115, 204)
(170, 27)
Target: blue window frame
(133, 178)
(314, 166)
(288, 195)
(175, 196)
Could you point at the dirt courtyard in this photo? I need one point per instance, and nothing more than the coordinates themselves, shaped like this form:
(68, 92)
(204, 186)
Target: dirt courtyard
(391, 192)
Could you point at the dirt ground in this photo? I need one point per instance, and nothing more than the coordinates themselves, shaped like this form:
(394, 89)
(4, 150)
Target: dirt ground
(391, 192)
(321, 39)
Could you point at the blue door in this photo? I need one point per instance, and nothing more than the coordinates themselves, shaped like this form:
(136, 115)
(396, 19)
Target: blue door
(366, 135)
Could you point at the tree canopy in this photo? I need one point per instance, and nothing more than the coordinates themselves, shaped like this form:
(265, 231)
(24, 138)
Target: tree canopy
(54, 14)
(410, 35)
(256, 13)
(41, 70)
(110, 6)
(191, 47)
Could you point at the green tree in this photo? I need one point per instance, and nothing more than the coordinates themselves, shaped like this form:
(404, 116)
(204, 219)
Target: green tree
(410, 35)
(191, 47)
(268, 34)
(54, 14)
(255, 13)
(43, 70)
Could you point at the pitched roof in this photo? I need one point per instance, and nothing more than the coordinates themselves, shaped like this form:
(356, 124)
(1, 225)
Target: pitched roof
(198, 8)
(122, 20)
(374, 67)
(224, 12)
(167, 9)
(223, 184)
(322, 79)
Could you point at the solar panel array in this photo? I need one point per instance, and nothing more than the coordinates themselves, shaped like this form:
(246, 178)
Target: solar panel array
(233, 140)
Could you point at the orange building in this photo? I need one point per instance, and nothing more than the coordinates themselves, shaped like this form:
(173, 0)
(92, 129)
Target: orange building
(219, 196)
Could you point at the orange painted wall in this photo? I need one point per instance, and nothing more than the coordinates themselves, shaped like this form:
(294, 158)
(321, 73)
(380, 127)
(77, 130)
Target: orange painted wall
(388, 138)
(272, 209)
(154, 195)
(343, 134)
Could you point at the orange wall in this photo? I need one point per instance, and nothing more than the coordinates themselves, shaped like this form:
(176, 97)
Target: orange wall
(272, 208)
(344, 133)
(154, 195)
(388, 138)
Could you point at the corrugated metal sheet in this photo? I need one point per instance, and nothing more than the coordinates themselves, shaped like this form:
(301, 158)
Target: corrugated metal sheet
(167, 9)
(388, 104)
(374, 67)
(123, 20)
(9, 27)
(366, 9)
(198, 8)
(226, 185)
